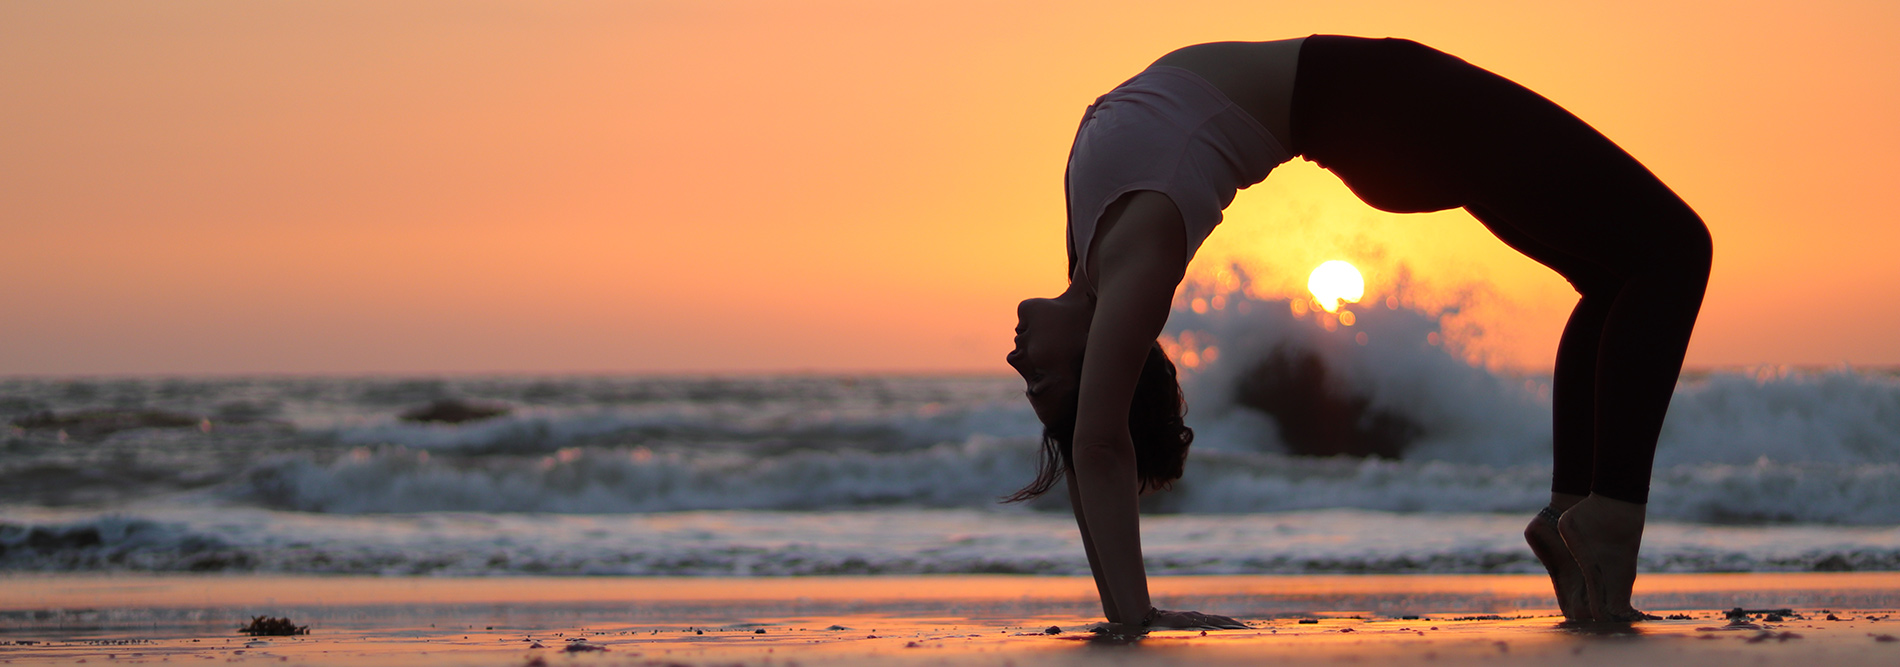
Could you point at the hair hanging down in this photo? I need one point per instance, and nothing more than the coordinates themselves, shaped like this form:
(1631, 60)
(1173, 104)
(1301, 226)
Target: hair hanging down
(1154, 422)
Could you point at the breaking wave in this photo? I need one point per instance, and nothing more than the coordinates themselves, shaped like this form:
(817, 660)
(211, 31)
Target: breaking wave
(1294, 410)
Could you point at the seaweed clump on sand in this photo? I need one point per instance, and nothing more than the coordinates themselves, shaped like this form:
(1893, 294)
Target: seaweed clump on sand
(275, 627)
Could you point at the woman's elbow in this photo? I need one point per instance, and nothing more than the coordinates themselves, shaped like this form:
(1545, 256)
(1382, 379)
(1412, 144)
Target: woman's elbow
(1103, 455)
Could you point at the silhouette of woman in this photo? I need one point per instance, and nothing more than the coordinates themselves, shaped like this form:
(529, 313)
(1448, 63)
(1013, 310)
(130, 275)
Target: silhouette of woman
(1408, 129)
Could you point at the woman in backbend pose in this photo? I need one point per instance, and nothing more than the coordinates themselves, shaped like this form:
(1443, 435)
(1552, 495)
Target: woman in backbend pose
(1409, 129)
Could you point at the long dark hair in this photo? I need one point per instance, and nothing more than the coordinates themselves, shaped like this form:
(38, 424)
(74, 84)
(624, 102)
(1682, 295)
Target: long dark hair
(1154, 422)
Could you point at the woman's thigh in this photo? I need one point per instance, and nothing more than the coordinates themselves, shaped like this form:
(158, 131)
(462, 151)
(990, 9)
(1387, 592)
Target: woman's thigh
(1596, 226)
(1587, 276)
(1562, 187)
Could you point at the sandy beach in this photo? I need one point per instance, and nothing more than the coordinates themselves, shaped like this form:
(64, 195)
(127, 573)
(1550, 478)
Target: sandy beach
(945, 620)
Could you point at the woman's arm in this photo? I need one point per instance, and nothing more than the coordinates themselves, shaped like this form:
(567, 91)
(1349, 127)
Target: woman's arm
(1139, 258)
(1088, 547)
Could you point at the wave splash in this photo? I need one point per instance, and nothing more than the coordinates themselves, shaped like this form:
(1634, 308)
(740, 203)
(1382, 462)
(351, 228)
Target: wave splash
(1757, 445)
(1750, 445)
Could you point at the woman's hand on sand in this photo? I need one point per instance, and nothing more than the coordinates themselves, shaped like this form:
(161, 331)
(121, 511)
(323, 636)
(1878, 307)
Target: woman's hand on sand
(1192, 620)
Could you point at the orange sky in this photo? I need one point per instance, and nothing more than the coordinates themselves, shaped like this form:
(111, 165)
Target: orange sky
(684, 186)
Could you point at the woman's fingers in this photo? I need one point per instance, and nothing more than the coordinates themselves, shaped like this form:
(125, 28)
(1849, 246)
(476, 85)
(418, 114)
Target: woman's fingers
(1219, 622)
(1227, 623)
(1194, 619)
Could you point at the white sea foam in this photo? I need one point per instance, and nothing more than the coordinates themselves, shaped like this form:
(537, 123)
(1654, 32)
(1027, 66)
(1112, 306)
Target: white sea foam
(863, 542)
(1769, 445)
(1760, 445)
(974, 473)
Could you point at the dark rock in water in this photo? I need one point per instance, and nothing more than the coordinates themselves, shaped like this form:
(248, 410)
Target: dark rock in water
(245, 412)
(20, 405)
(1315, 417)
(403, 391)
(452, 411)
(90, 424)
(1834, 563)
(27, 542)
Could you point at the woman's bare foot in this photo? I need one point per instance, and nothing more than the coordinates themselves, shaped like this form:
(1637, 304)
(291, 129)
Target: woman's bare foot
(1604, 535)
(1548, 544)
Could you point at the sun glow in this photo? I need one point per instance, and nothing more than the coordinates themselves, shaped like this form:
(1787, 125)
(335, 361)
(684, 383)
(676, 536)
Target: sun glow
(1336, 281)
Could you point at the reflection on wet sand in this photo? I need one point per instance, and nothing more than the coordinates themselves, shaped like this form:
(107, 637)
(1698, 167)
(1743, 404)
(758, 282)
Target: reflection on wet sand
(944, 620)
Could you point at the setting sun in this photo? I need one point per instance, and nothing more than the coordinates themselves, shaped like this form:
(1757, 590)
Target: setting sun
(1336, 281)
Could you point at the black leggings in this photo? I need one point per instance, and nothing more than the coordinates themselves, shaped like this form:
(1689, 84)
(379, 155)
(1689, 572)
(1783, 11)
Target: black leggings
(1411, 129)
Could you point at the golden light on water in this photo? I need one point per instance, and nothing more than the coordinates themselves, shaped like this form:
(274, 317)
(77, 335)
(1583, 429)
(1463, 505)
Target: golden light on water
(1336, 281)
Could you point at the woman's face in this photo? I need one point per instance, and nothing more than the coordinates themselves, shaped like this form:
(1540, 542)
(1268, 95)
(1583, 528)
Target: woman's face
(1050, 337)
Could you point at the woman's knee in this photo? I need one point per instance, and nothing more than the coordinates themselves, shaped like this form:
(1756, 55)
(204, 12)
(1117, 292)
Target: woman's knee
(1703, 248)
(1674, 245)
(1675, 256)
(1691, 251)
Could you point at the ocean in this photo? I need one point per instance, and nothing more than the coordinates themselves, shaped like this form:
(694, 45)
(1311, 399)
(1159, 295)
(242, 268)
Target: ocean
(1760, 469)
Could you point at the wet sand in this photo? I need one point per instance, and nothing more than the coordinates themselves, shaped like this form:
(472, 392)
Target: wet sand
(943, 620)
